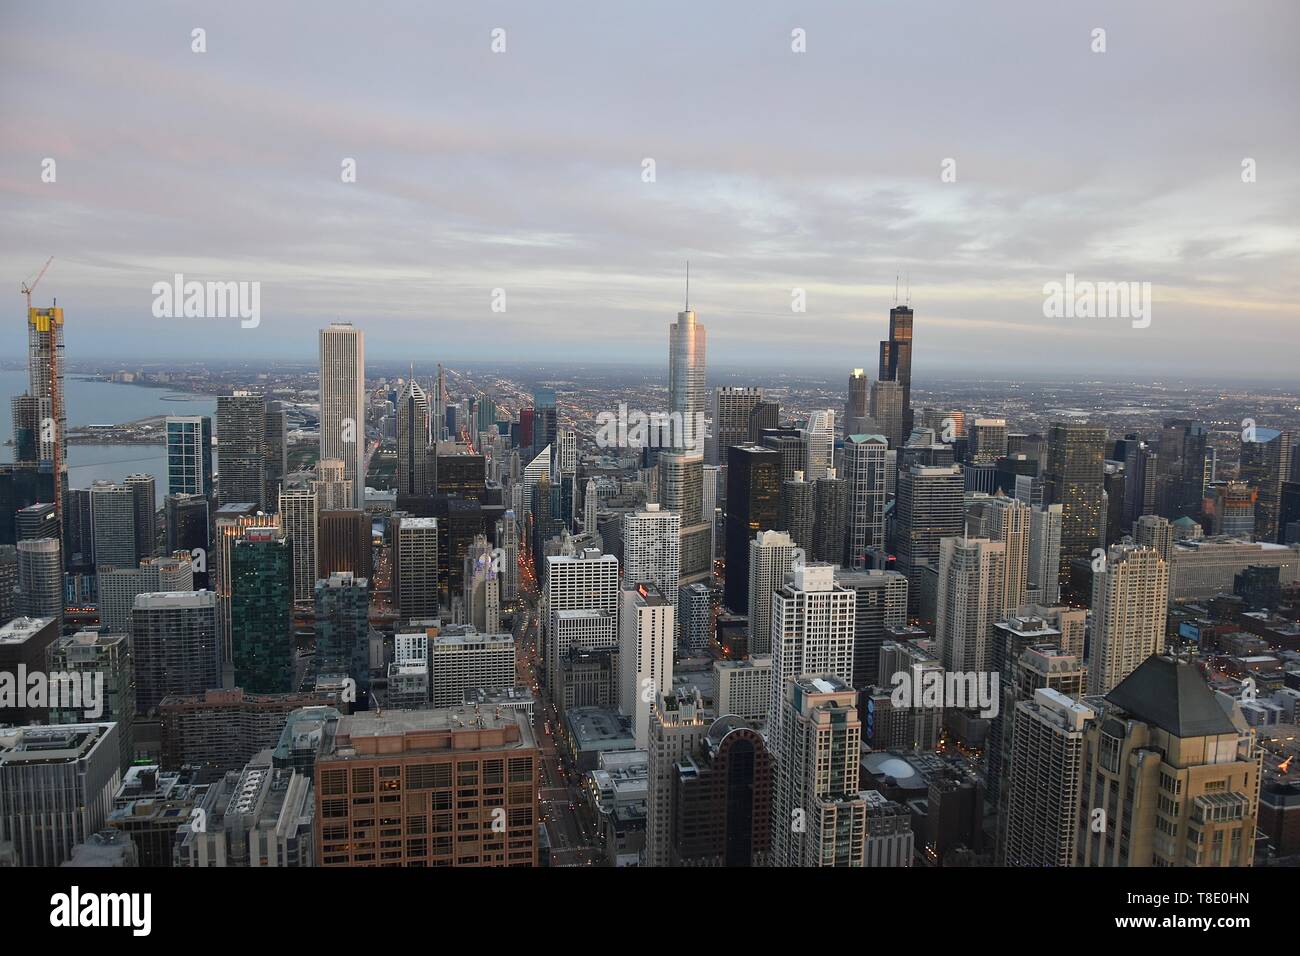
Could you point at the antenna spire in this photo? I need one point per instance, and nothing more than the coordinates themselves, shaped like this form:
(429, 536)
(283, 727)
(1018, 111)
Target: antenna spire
(688, 285)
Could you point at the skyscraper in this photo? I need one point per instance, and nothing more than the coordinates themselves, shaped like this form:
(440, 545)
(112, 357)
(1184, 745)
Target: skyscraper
(681, 489)
(416, 461)
(146, 514)
(732, 406)
(1129, 604)
(1046, 780)
(820, 439)
(678, 724)
(113, 509)
(343, 403)
(189, 455)
(753, 505)
(819, 815)
(40, 578)
(645, 653)
(261, 604)
(1010, 522)
(174, 645)
(799, 511)
(1073, 479)
(1266, 464)
(930, 507)
(343, 628)
(855, 407)
(1043, 582)
(45, 386)
(241, 449)
(652, 550)
(582, 595)
(969, 600)
(889, 411)
(880, 600)
(299, 518)
(864, 493)
(687, 395)
(275, 446)
(896, 360)
(415, 568)
(771, 555)
(816, 620)
(828, 518)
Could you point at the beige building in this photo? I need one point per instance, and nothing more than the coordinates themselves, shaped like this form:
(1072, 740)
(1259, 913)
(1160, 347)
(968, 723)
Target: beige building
(1170, 774)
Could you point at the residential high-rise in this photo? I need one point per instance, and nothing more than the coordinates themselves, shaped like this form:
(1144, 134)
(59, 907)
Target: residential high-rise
(40, 579)
(799, 511)
(342, 603)
(25, 643)
(816, 621)
(645, 653)
(732, 406)
(299, 521)
(241, 449)
(697, 607)
(174, 645)
(45, 386)
(416, 460)
(1129, 605)
(431, 760)
(1043, 581)
(56, 788)
(146, 514)
(113, 518)
(864, 497)
(652, 550)
(261, 606)
(343, 403)
(819, 815)
(1009, 521)
(1073, 479)
(1170, 777)
(1046, 780)
(189, 455)
(753, 505)
(415, 568)
(969, 600)
(771, 556)
(275, 444)
(118, 587)
(828, 519)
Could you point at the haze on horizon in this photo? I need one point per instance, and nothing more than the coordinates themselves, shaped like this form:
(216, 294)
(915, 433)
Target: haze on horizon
(774, 171)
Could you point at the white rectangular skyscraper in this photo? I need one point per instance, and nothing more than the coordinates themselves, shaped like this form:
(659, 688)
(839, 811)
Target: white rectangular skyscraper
(343, 403)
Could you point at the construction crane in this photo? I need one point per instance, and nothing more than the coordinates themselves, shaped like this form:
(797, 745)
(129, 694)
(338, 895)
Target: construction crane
(45, 339)
(27, 289)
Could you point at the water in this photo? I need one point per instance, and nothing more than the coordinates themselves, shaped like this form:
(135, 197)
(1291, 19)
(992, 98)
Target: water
(108, 403)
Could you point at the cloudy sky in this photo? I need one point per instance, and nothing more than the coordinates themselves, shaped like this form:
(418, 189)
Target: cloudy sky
(773, 170)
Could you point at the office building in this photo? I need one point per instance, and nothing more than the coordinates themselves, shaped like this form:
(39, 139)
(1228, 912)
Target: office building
(1073, 479)
(461, 658)
(645, 653)
(969, 600)
(146, 514)
(582, 597)
(679, 722)
(416, 460)
(342, 604)
(343, 403)
(415, 568)
(299, 521)
(880, 601)
(261, 606)
(723, 797)
(224, 729)
(173, 645)
(56, 788)
(732, 407)
(753, 505)
(743, 688)
(104, 660)
(432, 760)
(113, 511)
(864, 491)
(241, 449)
(40, 579)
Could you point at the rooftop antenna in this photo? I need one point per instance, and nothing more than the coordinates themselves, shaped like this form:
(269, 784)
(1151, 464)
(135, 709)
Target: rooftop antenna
(895, 288)
(688, 285)
(909, 290)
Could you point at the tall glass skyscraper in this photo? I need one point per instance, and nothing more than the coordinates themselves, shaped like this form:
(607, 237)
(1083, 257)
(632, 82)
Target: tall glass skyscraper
(189, 455)
(686, 372)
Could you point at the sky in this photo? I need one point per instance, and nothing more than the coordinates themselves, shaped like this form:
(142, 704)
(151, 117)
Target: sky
(525, 171)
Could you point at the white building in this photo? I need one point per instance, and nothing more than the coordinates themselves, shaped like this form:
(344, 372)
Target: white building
(415, 568)
(582, 594)
(771, 556)
(645, 654)
(465, 658)
(969, 600)
(743, 688)
(343, 403)
(1129, 604)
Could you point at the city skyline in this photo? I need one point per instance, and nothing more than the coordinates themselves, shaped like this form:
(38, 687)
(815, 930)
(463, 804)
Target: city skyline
(527, 176)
